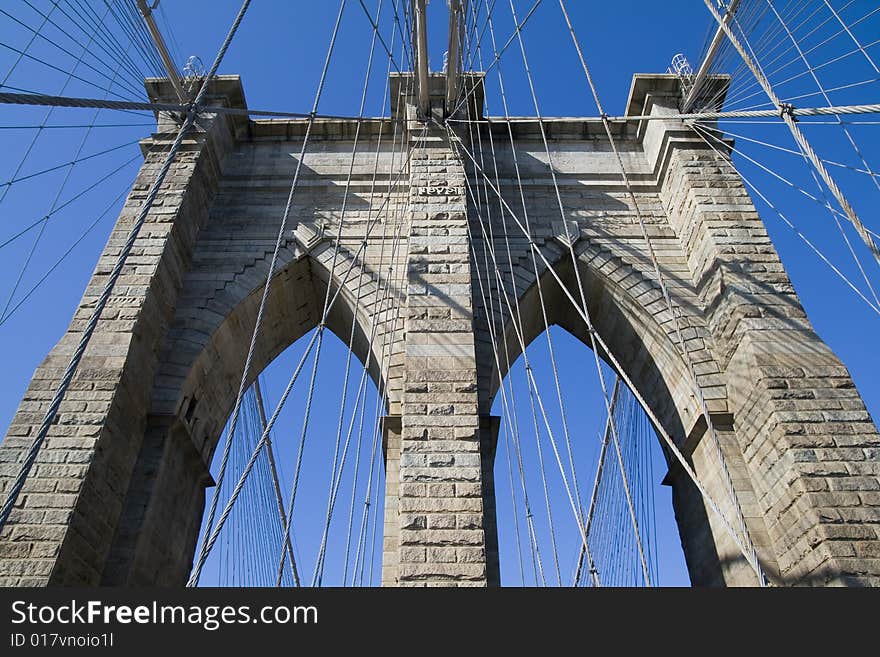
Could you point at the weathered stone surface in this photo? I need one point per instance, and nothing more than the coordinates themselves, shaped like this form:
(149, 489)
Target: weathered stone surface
(117, 493)
(440, 351)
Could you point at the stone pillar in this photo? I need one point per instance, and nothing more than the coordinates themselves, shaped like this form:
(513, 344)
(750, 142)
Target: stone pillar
(443, 460)
(391, 538)
(806, 446)
(489, 426)
(68, 515)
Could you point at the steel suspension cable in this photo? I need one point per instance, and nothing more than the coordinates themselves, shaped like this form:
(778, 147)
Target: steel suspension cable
(498, 53)
(771, 38)
(383, 300)
(399, 267)
(546, 323)
(71, 75)
(505, 232)
(798, 76)
(591, 508)
(71, 126)
(534, 392)
(512, 435)
(848, 30)
(517, 326)
(27, 47)
(11, 311)
(385, 359)
(824, 202)
(69, 201)
(76, 160)
(356, 478)
(849, 137)
(55, 201)
(111, 78)
(512, 427)
(739, 97)
(783, 149)
(489, 239)
(488, 303)
(276, 486)
(798, 135)
(106, 40)
(488, 242)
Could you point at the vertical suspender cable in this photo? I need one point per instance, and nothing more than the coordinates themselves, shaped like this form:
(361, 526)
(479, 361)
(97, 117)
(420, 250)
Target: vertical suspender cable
(273, 470)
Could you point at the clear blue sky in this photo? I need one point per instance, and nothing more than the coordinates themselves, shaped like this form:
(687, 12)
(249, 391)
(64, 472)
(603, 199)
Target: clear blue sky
(278, 53)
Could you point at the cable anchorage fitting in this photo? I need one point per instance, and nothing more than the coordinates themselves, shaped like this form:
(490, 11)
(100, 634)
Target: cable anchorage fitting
(787, 109)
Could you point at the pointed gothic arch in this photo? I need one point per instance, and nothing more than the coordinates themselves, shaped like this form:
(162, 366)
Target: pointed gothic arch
(208, 358)
(630, 315)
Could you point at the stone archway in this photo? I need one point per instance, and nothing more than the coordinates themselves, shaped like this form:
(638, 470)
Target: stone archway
(154, 387)
(630, 316)
(159, 526)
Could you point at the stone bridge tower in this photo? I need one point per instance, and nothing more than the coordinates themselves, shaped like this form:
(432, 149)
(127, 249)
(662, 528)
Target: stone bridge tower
(118, 491)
